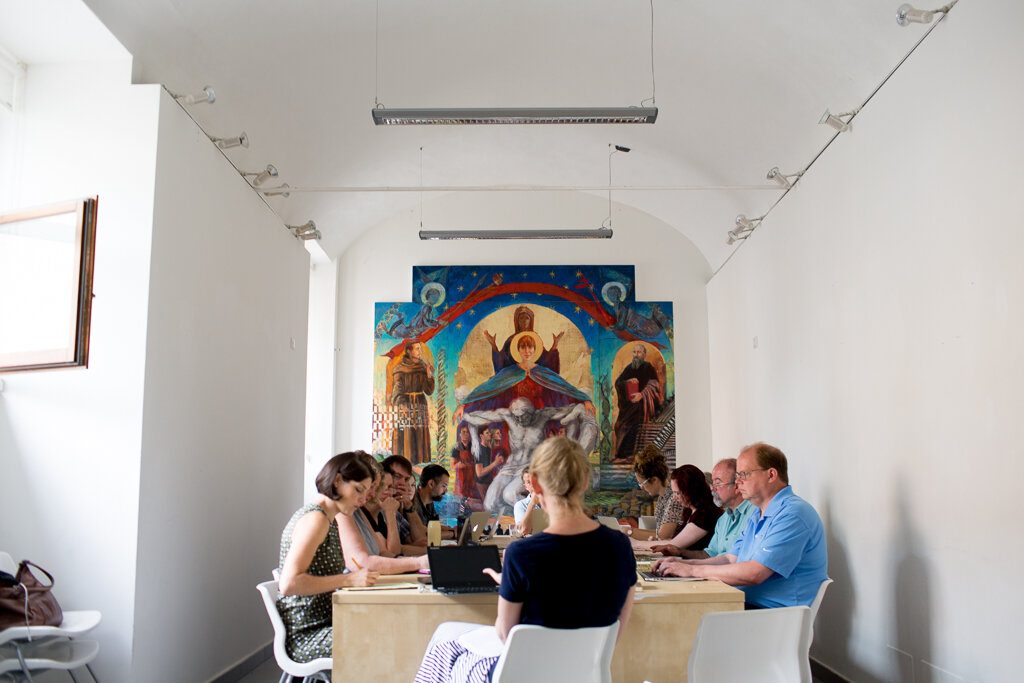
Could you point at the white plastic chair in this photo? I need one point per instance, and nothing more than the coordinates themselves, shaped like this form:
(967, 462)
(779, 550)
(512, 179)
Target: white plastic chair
(808, 635)
(21, 659)
(553, 655)
(307, 671)
(763, 645)
(43, 643)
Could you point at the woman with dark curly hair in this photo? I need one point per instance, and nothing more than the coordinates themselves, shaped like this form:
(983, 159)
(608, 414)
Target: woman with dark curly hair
(651, 471)
(693, 492)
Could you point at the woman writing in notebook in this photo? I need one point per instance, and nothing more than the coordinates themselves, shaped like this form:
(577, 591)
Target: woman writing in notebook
(651, 472)
(533, 586)
(311, 560)
(691, 489)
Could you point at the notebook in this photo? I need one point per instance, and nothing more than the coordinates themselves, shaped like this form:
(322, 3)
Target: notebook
(459, 569)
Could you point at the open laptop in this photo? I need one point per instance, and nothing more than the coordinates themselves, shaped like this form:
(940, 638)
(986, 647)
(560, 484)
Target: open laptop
(609, 522)
(459, 569)
(473, 528)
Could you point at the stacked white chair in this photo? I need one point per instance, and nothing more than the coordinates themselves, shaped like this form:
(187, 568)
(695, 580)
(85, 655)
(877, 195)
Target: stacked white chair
(316, 670)
(24, 649)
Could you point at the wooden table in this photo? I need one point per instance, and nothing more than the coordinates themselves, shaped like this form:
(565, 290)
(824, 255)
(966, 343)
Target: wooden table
(381, 635)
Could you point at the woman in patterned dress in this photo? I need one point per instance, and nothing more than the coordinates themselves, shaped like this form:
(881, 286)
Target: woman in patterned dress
(311, 560)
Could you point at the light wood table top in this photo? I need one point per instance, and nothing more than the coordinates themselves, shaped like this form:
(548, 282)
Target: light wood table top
(382, 634)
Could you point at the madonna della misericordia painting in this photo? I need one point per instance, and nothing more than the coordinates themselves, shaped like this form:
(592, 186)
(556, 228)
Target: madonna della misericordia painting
(486, 362)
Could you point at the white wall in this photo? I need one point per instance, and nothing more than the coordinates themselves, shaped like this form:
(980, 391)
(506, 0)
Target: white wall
(886, 295)
(320, 368)
(223, 426)
(70, 439)
(379, 268)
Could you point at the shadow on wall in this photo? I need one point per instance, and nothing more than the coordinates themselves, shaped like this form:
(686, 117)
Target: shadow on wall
(18, 519)
(835, 619)
(911, 598)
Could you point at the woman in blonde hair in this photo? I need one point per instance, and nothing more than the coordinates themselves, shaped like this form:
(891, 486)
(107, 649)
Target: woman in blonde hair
(533, 586)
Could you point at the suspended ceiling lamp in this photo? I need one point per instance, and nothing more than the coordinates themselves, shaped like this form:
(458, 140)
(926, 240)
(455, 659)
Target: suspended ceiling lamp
(511, 116)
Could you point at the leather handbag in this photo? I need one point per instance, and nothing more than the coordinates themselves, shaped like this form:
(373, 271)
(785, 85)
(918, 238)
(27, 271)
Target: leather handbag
(29, 602)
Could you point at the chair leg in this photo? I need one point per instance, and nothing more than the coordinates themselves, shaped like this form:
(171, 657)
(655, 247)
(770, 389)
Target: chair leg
(92, 673)
(73, 676)
(24, 666)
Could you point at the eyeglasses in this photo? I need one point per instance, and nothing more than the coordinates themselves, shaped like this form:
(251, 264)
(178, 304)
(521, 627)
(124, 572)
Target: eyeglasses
(722, 484)
(743, 476)
(641, 484)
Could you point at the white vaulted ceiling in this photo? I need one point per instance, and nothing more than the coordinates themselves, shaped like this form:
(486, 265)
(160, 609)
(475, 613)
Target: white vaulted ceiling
(740, 87)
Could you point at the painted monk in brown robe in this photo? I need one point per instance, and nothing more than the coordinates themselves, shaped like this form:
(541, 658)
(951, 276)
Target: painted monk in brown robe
(412, 383)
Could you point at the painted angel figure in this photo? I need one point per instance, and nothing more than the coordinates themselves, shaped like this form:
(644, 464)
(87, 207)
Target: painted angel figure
(614, 294)
(432, 296)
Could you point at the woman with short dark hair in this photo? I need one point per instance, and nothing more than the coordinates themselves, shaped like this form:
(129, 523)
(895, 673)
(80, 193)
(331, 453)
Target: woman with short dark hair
(311, 560)
(651, 472)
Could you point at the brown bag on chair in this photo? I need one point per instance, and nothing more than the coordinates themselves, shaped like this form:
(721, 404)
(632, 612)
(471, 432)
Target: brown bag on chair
(30, 603)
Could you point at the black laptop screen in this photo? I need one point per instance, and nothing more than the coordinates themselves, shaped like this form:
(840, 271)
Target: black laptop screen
(456, 566)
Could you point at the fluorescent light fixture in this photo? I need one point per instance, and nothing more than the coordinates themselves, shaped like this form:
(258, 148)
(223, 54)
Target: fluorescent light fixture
(508, 116)
(600, 233)
(227, 143)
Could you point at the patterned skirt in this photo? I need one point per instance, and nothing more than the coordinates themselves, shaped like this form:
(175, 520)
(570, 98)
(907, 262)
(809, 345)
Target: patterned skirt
(448, 659)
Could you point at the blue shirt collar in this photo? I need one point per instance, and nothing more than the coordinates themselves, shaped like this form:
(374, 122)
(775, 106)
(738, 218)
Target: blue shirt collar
(778, 500)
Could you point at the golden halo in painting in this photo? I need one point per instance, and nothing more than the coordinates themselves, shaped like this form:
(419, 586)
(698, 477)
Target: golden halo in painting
(537, 344)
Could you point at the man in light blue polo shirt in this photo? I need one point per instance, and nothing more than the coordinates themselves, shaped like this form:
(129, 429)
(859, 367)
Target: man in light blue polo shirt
(730, 525)
(781, 559)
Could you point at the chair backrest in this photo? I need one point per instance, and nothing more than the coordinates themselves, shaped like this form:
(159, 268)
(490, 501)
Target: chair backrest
(271, 594)
(808, 634)
(7, 563)
(818, 598)
(762, 645)
(554, 655)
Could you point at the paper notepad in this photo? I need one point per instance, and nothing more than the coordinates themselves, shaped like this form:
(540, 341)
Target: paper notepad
(382, 587)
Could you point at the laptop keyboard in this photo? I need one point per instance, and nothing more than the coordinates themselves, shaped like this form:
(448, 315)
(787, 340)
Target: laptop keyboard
(470, 589)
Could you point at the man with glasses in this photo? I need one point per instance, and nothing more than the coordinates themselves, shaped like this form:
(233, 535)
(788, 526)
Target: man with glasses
(781, 558)
(732, 522)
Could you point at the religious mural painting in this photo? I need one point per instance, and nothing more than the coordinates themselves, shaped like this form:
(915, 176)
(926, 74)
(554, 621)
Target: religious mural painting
(488, 361)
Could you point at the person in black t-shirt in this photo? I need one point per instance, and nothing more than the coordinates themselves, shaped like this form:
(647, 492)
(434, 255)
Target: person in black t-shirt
(533, 586)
